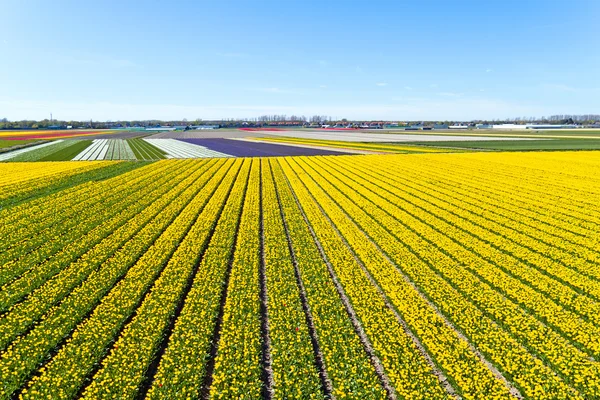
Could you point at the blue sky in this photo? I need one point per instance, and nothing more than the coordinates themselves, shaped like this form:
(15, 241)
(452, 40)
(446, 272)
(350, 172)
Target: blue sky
(461, 60)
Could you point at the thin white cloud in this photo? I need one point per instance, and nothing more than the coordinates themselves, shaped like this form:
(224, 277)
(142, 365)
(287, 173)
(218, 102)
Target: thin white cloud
(323, 86)
(232, 55)
(408, 88)
(559, 87)
(359, 69)
(488, 70)
(95, 59)
(268, 90)
(381, 84)
(276, 90)
(450, 94)
(323, 63)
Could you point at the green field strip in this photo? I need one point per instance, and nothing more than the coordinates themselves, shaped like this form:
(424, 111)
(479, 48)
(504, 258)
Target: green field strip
(66, 154)
(64, 183)
(37, 154)
(73, 309)
(18, 244)
(156, 312)
(6, 145)
(144, 150)
(489, 309)
(151, 149)
(333, 326)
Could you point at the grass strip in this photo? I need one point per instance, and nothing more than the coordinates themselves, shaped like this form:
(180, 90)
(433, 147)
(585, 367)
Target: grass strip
(68, 153)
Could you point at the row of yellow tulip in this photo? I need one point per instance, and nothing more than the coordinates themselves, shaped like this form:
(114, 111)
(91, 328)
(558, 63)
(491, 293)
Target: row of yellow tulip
(23, 314)
(484, 186)
(563, 197)
(452, 353)
(38, 245)
(431, 239)
(123, 370)
(502, 242)
(30, 222)
(350, 372)
(555, 236)
(16, 177)
(237, 370)
(293, 360)
(14, 193)
(145, 249)
(406, 368)
(182, 368)
(49, 259)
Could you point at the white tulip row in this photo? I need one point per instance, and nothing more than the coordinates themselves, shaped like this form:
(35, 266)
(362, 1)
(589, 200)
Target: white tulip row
(96, 151)
(178, 149)
(119, 149)
(11, 154)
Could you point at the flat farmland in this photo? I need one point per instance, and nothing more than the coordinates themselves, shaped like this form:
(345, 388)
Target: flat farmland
(419, 276)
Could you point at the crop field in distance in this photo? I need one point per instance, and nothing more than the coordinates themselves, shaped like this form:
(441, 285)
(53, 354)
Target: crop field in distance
(417, 276)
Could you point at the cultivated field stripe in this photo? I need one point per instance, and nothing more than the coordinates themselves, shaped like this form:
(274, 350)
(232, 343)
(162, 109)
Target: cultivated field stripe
(460, 282)
(583, 334)
(473, 184)
(57, 324)
(552, 231)
(20, 188)
(38, 266)
(178, 149)
(40, 153)
(98, 199)
(89, 151)
(12, 154)
(457, 357)
(504, 248)
(540, 193)
(196, 331)
(94, 262)
(24, 219)
(130, 357)
(237, 371)
(338, 343)
(290, 339)
(75, 360)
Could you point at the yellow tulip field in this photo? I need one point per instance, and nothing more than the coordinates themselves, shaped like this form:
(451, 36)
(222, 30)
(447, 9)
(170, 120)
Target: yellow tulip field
(400, 276)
